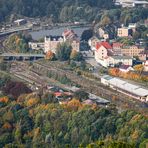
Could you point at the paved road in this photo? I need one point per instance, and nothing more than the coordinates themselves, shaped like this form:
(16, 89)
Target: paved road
(89, 58)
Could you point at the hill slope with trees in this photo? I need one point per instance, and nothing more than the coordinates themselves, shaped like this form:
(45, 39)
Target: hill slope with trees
(33, 120)
(63, 10)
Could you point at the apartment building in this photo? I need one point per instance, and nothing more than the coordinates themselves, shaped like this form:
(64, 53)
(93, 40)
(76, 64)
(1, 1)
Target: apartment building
(51, 43)
(124, 32)
(133, 51)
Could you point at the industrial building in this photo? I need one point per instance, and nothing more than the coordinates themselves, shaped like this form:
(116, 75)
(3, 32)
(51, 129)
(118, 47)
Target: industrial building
(132, 90)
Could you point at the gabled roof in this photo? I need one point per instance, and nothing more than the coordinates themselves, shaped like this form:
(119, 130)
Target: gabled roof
(104, 44)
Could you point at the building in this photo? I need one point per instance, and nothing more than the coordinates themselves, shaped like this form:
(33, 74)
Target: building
(117, 48)
(127, 88)
(131, 3)
(125, 68)
(124, 32)
(134, 51)
(75, 44)
(102, 51)
(51, 43)
(108, 56)
(36, 45)
(69, 34)
(117, 60)
(103, 33)
(92, 42)
(132, 26)
(20, 22)
(140, 4)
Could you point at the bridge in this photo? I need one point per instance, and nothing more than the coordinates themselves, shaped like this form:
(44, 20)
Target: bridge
(14, 30)
(21, 56)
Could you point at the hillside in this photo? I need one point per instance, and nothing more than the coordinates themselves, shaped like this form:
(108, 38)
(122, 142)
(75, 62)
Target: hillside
(38, 122)
(58, 10)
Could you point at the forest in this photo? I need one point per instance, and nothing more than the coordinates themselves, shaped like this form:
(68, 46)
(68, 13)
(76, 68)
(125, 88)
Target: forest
(103, 11)
(37, 120)
(56, 9)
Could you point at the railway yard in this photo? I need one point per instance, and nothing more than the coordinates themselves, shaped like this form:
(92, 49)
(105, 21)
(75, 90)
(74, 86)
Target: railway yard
(35, 75)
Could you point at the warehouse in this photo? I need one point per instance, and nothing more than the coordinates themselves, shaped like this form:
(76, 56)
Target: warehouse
(127, 88)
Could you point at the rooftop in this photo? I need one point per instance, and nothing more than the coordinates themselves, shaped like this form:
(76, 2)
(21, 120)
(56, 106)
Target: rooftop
(105, 44)
(121, 57)
(54, 38)
(129, 87)
(124, 66)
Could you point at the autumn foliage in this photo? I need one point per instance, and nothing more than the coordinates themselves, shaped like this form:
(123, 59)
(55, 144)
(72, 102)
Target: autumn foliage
(50, 55)
(4, 99)
(73, 105)
(129, 75)
(7, 125)
(32, 101)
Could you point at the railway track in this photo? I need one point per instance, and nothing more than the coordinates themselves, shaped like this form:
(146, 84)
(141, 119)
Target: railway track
(4, 49)
(92, 86)
(37, 74)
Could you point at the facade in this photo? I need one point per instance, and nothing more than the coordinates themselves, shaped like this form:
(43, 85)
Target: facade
(124, 32)
(102, 52)
(134, 51)
(75, 44)
(117, 48)
(132, 26)
(20, 22)
(36, 45)
(51, 43)
(124, 87)
(114, 60)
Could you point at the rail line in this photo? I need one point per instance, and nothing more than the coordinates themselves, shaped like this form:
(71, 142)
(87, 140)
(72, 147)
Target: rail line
(93, 87)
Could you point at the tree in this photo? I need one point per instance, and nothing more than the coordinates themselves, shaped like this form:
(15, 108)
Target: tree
(81, 95)
(139, 68)
(105, 21)
(86, 35)
(63, 51)
(50, 55)
(77, 56)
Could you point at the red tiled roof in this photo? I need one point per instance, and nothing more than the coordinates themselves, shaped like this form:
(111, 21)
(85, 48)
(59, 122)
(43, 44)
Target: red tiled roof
(68, 32)
(105, 44)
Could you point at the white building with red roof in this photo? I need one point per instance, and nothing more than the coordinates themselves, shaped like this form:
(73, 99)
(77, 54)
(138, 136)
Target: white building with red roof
(105, 55)
(102, 52)
(69, 34)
